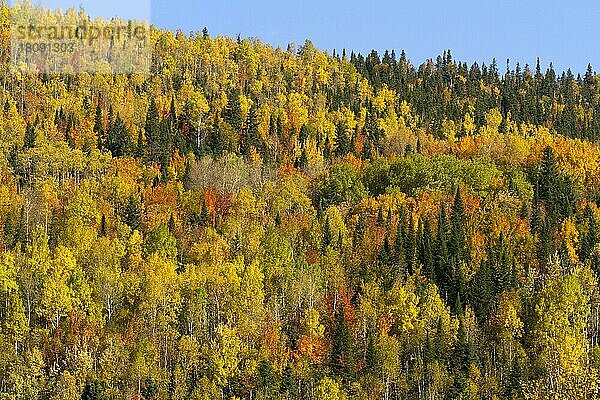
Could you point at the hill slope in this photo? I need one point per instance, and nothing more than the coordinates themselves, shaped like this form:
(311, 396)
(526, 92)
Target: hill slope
(248, 222)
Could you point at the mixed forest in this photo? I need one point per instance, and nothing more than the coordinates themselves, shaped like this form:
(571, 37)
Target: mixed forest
(251, 222)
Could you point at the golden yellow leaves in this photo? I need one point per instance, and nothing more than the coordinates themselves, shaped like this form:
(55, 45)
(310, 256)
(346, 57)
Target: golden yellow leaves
(297, 111)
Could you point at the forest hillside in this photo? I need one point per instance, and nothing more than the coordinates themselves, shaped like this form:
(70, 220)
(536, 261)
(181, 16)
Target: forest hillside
(249, 222)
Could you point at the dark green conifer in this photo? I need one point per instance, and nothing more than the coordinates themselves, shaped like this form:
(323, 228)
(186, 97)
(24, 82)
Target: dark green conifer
(342, 355)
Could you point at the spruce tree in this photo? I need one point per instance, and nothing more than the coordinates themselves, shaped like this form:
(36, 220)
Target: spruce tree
(380, 219)
(216, 142)
(21, 230)
(204, 214)
(371, 361)
(464, 356)
(327, 150)
(303, 162)
(288, 382)
(171, 224)
(251, 137)
(9, 229)
(267, 379)
(503, 266)
(277, 219)
(367, 151)
(139, 148)
(481, 293)
(458, 238)
(590, 237)
(92, 391)
(165, 152)
(118, 138)
(327, 235)
(179, 142)
(153, 134)
(399, 248)
(443, 267)
(548, 175)
(342, 355)
(342, 142)
(513, 386)
(303, 135)
(410, 246)
(385, 254)
(233, 110)
(30, 136)
(102, 229)
(426, 251)
(69, 137)
(279, 131)
(132, 215)
(359, 229)
(98, 126)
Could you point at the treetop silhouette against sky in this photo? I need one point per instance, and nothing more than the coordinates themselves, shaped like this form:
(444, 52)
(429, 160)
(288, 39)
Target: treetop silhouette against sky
(556, 31)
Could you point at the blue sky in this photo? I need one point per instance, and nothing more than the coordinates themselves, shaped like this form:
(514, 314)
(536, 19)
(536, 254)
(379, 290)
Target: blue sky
(563, 32)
